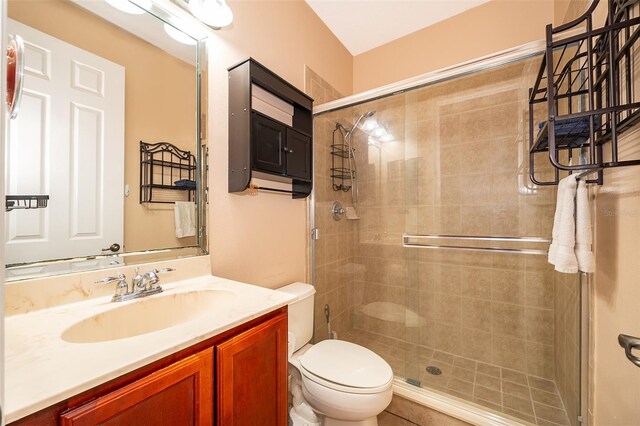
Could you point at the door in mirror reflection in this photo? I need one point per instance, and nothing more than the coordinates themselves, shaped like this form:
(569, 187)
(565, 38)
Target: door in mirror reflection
(68, 143)
(79, 140)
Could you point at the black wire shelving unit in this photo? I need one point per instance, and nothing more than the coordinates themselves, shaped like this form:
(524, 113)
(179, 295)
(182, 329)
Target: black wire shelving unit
(165, 167)
(585, 94)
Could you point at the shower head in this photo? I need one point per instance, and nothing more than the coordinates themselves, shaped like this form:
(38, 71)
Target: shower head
(362, 117)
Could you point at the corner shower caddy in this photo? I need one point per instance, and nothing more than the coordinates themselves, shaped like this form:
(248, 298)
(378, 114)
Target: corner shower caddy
(586, 87)
(341, 168)
(164, 166)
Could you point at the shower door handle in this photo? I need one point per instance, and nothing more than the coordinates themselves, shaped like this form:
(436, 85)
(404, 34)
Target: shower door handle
(629, 343)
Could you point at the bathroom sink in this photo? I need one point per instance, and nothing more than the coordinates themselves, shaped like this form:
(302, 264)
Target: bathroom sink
(147, 315)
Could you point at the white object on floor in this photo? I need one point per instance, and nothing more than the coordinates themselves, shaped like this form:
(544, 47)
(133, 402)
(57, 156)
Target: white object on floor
(562, 249)
(301, 413)
(584, 235)
(185, 217)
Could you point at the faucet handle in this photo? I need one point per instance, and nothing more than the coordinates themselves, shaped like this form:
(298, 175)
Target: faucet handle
(109, 280)
(122, 288)
(162, 271)
(152, 277)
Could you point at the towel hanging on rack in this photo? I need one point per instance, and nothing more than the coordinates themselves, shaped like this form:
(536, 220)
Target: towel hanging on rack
(562, 249)
(185, 218)
(584, 236)
(570, 249)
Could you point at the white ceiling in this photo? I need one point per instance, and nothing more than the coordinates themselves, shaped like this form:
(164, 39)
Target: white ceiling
(362, 25)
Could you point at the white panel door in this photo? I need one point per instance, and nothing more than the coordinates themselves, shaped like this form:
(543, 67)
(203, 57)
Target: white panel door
(68, 143)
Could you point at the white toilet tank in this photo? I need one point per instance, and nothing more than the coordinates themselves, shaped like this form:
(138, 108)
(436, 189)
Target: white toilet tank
(300, 312)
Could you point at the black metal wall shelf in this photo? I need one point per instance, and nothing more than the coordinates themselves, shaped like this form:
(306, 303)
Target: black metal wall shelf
(26, 202)
(585, 92)
(164, 166)
(277, 150)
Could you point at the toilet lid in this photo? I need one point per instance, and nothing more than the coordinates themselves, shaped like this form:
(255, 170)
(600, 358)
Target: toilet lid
(346, 364)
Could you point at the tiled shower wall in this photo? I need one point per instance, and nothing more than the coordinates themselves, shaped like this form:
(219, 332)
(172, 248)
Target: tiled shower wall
(455, 167)
(334, 250)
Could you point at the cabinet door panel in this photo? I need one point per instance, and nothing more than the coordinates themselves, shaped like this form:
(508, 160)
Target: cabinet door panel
(181, 394)
(252, 376)
(267, 144)
(298, 155)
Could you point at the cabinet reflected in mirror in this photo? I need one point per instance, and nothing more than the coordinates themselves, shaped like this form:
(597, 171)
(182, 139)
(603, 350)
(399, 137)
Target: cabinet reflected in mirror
(98, 82)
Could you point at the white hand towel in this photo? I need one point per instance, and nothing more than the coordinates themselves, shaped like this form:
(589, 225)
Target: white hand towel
(185, 217)
(562, 250)
(556, 224)
(584, 236)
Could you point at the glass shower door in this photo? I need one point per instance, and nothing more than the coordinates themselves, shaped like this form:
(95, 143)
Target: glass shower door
(485, 304)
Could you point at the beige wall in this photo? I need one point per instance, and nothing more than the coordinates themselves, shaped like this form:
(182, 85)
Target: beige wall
(151, 114)
(263, 239)
(486, 29)
(616, 296)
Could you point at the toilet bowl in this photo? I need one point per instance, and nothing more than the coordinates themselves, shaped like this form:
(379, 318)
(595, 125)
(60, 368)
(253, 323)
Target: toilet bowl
(344, 383)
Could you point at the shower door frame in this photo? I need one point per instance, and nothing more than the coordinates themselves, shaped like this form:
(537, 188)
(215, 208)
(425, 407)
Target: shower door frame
(519, 53)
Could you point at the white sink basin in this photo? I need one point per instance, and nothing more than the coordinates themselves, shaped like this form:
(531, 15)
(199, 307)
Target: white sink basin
(148, 315)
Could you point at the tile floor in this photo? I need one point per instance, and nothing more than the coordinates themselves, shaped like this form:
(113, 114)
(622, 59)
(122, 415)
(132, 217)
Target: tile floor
(527, 398)
(387, 419)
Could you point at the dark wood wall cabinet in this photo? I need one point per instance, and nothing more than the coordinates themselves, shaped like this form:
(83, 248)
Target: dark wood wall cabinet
(270, 130)
(235, 379)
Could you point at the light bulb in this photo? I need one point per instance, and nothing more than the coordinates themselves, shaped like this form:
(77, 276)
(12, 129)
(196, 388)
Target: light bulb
(127, 7)
(370, 124)
(387, 138)
(378, 132)
(215, 13)
(178, 35)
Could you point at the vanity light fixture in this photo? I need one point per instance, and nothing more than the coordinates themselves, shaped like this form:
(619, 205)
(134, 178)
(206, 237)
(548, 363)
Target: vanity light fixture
(215, 13)
(178, 35)
(128, 7)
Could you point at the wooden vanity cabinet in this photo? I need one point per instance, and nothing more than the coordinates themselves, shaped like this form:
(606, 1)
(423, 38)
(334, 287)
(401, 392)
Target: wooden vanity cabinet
(180, 394)
(237, 378)
(251, 385)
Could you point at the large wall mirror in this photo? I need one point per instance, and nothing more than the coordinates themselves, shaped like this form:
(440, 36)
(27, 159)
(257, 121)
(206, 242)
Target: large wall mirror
(109, 127)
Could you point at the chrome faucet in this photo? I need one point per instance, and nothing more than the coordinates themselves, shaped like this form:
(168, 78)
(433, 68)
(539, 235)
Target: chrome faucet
(141, 285)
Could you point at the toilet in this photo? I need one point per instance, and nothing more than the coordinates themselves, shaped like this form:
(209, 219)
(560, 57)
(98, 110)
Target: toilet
(343, 383)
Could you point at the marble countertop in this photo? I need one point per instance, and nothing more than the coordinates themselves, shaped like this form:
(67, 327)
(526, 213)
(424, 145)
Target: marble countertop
(42, 369)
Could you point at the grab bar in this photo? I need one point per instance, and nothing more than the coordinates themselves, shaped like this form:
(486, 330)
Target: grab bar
(406, 243)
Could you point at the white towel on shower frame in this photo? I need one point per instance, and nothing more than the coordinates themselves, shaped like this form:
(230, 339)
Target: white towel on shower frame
(562, 249)
(584, 234)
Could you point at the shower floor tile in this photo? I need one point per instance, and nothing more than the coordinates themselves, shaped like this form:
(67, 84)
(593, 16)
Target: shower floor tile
(527, 398)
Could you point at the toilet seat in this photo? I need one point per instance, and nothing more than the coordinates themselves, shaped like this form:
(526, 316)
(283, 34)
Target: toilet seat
(346, 367)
